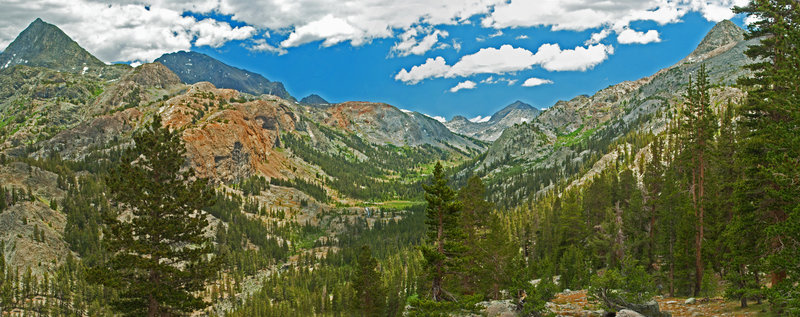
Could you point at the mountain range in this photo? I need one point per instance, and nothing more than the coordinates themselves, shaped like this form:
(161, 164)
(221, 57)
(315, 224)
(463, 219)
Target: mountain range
(193, 67)
(491, 129)
(58, 102)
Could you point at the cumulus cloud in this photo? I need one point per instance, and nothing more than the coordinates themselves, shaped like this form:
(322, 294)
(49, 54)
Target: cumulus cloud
(533, 82)
(597, 37)
(493, 61)
(123, 30)
(581, 15)
(464, 85)
(261, 45)
(330, 29)
(553, 58)
(433, 67)
(120, 32)
(635, 37)
(410, 45)
(508, 59)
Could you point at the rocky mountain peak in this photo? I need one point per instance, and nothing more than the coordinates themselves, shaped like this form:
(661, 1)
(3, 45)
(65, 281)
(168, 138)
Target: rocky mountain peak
(45, 45)
(722, 37)
(523, 109)
(519, 105)
(314, 100)
(193, 67)
(515, 113)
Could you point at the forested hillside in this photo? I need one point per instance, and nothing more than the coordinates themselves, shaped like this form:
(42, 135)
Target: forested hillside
(126, 192)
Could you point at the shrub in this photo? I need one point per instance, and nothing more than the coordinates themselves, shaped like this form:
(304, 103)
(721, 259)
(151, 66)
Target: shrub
(622, 288)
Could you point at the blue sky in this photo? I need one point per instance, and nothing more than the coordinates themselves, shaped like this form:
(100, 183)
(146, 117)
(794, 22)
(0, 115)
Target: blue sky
(412, 54)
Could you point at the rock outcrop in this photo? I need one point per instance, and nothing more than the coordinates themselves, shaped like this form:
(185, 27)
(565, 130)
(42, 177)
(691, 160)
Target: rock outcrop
(226, 139)
(381, 123)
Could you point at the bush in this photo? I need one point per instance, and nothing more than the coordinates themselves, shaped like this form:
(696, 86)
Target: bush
(538, 296)
(616, 289)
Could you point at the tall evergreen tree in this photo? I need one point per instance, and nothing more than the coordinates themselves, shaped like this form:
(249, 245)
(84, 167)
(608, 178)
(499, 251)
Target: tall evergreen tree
(770, 149)
(443, 251)
(160, 257)
(497, 252)
(475, 213)
(369, 296)
(653, 184)
(699, 131)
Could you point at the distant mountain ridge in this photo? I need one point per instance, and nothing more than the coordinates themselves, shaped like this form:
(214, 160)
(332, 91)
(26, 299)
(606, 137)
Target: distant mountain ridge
(515, 113)
(570, 134)
(45, 45)
(314, 100)
(194, 67)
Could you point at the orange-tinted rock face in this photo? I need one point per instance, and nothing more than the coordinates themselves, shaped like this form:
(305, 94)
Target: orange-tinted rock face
(227, 139)
(344, 114)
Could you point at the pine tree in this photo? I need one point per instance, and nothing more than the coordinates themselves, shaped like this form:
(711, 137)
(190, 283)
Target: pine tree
(699, 130)
(653, 184)
(475, 213)
(770, 149)
(369, 296)
(443, 251)
(160, 258)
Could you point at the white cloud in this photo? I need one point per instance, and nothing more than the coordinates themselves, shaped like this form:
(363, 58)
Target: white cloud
(508, 59)
(719, 10)
(581, 15)
(433, 67)
(120, 32)
(553, 58)
(522, 37)
(330, 29)
(630, 36)
(597, 37)
(533, 82)
(409, 45)
(480, 119)
(261, 45)
(210, 32)
(492, 80)
(124, 30)
(456, 45)
(496, 34)
(357, 21)
(493, 61)
(464, 85)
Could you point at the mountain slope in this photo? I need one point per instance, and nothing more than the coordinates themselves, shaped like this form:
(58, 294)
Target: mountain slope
(515, 113)
(193, 67)
(571, 136)
(381, 123)
(45, 45)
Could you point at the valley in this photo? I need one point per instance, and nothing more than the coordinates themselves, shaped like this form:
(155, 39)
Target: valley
(640, 199)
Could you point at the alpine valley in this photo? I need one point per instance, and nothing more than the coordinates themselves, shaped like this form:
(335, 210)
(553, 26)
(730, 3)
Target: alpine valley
(674, 194)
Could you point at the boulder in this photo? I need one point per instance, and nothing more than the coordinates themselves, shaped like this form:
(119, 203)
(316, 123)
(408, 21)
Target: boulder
(628, 313)
(499, 308)
(690, 301)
